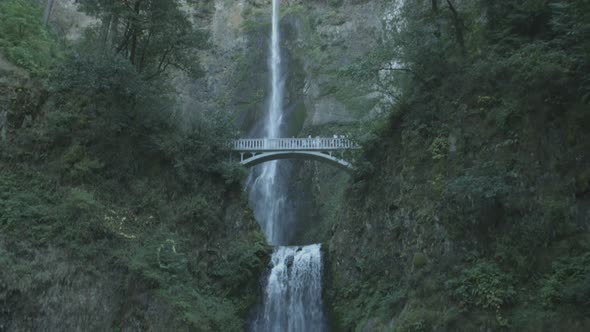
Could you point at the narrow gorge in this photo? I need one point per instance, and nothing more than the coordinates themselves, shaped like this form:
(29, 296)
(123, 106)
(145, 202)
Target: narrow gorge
(460, 132)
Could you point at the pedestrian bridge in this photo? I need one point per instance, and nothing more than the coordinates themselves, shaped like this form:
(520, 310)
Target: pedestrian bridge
(254, 151)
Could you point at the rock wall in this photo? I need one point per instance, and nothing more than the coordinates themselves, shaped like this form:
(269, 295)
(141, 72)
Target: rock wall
(320, 40)
(54, 294)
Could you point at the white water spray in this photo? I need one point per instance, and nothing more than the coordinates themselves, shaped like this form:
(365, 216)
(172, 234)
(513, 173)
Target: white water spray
(292, 301)
(267, 194)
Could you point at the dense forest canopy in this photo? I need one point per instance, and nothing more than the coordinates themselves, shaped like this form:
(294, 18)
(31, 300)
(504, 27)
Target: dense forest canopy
(153, 35)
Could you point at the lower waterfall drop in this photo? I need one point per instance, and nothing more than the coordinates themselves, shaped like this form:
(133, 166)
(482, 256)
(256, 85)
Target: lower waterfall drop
(292, 299)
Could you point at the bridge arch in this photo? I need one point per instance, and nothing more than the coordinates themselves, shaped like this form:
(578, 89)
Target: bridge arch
(308, 155)
(255, 151)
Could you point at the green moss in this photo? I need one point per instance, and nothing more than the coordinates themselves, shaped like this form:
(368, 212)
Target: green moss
(255, 22)
(297, 120)
(419, 260)
(352, 94)
(299, 10)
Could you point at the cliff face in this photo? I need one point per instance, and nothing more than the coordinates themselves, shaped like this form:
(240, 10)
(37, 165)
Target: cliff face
(320, 40)
(470, 211)
(44, 289)
(437, 243)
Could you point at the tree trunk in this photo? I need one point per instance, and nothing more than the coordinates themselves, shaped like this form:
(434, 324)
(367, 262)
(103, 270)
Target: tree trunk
(435, 18)
(114, 33)
(458, 23)
(47, 13)
(105, 31)
(135, 31)
(3, 126)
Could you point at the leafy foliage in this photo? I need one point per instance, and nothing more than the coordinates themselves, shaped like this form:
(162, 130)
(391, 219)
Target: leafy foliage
(483, 285)
(155, 36)
(113, 176)
(23, 38)
(568, 283)
(481, 156)
(416, 320)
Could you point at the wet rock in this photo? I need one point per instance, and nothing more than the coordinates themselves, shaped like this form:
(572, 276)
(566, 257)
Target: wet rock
(289, 261)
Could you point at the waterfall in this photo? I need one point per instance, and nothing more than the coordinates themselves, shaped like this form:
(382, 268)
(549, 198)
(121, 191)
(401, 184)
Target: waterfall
(292, 296)
(292, 300)
(267, 194)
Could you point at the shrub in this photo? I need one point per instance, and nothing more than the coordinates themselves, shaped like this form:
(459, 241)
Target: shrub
(439, 148)
(416, 320)
(568, 283)
(233, 173)
(483, 286)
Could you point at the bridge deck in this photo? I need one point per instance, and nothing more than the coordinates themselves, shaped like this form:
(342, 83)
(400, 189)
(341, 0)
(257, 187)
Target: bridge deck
(292, 144)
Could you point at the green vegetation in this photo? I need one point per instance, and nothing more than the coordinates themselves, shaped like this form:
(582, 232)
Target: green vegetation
(468, 210)
(483, 285)
(114, 179)
(568, 283)
(24, 40)
(479, 167)
(155, 36)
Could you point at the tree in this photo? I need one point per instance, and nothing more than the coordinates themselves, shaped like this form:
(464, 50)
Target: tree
(3, 125)
(153, 35)
(47, 13)
(459, 26)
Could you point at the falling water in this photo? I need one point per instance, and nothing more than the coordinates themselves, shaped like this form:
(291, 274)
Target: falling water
(292, 301)
(267, 194)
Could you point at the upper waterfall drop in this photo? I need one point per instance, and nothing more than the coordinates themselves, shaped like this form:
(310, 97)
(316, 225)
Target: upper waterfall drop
(273, 123)
(267, 195)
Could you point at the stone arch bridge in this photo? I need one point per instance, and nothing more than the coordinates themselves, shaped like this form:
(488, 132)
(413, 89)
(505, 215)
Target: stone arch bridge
(254, 151)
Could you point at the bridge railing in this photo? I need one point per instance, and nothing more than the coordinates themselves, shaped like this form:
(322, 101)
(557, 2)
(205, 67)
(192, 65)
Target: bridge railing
(279, 144)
